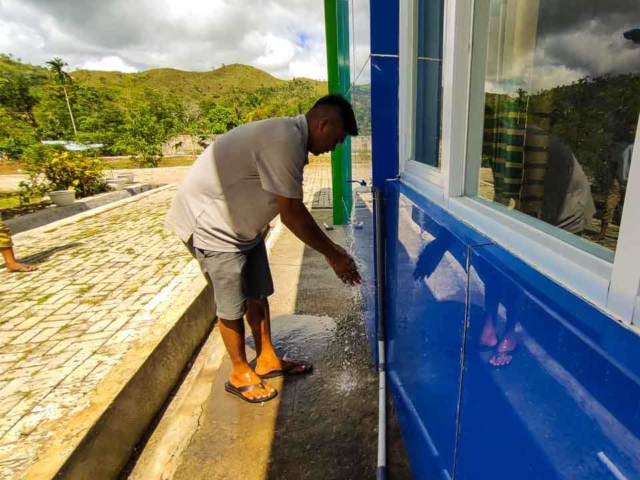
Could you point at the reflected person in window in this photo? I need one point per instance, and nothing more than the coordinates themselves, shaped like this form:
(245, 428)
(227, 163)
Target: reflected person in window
(500, 347)
(621, 162)
(539, 175)
(534, 171)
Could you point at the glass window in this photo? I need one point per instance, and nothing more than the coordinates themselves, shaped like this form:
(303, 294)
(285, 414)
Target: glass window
(562, 97)
(428, 83)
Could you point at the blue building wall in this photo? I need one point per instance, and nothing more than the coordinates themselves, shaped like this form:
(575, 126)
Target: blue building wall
(568, 403)
(568, 406)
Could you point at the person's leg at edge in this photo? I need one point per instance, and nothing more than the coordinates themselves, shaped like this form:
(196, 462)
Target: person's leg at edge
(509, 341)
(232, 332)
(12, 264)
(259, 320)
(6, 249)
(489, 336)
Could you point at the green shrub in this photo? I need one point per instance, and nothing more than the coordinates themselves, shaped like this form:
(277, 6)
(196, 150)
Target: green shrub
(34, 158)
(73, 171)
(51, 168)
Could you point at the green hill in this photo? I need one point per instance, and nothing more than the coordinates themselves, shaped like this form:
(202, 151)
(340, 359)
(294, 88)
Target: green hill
(134, 113)
(10, 66)
(213, 84)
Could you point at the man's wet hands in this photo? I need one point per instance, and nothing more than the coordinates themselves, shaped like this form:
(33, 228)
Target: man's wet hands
(344, 266)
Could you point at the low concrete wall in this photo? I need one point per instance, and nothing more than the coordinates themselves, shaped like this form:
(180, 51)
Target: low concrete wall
(185, 145)
(53, 214)
(101, 439)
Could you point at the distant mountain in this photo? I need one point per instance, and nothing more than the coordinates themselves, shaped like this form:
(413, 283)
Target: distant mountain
(213, 84)
(9, 65)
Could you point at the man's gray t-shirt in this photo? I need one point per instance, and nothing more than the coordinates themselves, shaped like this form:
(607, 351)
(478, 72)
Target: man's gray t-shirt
(229, 194)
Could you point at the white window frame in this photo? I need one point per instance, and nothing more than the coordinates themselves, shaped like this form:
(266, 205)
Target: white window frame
(613, 287)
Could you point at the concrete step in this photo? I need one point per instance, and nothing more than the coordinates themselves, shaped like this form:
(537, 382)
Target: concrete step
(99, 441)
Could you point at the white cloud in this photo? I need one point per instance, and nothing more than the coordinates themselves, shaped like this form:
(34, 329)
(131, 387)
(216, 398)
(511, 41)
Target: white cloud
(274, 52)
(110, 63)
(312, 68)
(199, 35)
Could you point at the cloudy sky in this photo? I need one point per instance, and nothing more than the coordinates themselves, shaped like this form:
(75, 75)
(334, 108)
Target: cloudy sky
(558, 42)
(283, 37)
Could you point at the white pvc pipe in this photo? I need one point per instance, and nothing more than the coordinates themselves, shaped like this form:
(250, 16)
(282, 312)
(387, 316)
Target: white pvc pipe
(381, 472)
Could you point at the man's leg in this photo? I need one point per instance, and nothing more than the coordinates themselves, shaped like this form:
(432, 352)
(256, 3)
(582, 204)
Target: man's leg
(223, 272)
(613, 199)
(259, 320)
(232, 332)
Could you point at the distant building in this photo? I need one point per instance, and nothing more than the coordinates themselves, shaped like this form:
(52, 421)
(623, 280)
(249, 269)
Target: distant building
(73, 146)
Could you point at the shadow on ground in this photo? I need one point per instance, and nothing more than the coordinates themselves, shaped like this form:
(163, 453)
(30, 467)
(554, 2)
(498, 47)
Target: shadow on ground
(43, 256)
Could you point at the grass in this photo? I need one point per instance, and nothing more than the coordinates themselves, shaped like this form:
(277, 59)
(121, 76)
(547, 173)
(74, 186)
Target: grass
(93, 301)
(117, 163)
(12, 200)
(9, 200)
(127, 163)
(43, 299)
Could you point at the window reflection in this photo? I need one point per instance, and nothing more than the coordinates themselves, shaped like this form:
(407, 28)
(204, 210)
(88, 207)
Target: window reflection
(562, 97)
(428, 83)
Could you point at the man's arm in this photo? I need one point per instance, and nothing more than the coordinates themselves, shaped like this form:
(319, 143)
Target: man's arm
(296, 217)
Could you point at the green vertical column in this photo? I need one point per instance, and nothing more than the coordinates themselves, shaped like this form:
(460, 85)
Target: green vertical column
(336, 14)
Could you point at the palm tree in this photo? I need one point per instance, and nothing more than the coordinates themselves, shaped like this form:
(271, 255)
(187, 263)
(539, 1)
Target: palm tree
(56, 67)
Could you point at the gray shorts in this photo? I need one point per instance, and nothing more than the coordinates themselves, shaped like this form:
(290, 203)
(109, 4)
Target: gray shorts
(235, 276)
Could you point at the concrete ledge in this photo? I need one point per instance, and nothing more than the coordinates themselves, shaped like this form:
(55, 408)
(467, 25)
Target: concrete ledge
(98, 441)
(52, 214)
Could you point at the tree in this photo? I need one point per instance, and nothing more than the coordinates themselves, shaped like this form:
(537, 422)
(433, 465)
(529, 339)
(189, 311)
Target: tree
(150, 119)
(221, 119)
(56, 66)
(143, 136)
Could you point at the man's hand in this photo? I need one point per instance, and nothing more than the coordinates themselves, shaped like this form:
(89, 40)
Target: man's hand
(345, 266)
(296, 217)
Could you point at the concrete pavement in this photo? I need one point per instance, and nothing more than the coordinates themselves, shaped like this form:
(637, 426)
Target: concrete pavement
(106, 281)
(74, 334)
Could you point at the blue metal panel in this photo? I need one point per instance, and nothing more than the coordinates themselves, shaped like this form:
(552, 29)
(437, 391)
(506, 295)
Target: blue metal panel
(384, 115)
(385, 24)
(568, 406)
(384, 119)
(427, 252)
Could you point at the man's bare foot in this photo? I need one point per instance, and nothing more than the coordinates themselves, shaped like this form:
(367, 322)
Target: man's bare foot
(504, 352)
(279, 366)
(249, 377)
(21, 267)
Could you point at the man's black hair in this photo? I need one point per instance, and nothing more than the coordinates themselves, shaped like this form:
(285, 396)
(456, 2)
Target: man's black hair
(346, 111)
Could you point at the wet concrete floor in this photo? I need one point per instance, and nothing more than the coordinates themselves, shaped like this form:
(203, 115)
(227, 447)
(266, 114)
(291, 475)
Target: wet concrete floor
(321, 426)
